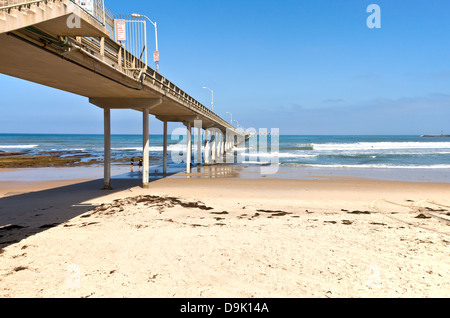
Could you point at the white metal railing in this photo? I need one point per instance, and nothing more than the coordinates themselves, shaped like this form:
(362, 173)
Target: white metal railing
(96, 8)
(129, 56)
(116, 55)
(7, 4)
(133, 40)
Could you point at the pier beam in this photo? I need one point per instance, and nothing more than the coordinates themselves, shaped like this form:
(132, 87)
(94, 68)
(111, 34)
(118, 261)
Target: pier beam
(146, 149)
(107, 148)
(165, 148)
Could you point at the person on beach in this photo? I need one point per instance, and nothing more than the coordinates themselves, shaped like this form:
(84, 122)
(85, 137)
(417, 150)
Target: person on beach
(140, 165)
(131, 164)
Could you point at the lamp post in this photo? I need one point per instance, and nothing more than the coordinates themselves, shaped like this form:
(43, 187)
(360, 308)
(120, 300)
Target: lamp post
(156, 53)
(212, 97)
(231, 121)
(237, 123)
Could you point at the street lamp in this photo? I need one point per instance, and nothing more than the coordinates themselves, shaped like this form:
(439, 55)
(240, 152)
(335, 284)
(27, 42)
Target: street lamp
(156, 53)
(231, 121)
(212, 97)
(237, 123)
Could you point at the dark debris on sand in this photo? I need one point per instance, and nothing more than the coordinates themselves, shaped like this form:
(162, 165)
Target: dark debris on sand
(154, 201)
(359, 212)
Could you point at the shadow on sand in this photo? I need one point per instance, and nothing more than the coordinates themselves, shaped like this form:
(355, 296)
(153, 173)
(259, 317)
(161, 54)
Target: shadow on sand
(26, 214)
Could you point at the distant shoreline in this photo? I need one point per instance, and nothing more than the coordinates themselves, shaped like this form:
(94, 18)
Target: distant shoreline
(435, 136)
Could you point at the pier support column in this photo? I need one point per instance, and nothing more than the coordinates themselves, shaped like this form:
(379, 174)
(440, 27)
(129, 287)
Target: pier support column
(213, 147)
(229, 153)
(224, 144)
(219, 147)
(189, 147)
(146, 149)
(207, 153)
(165, 148)
(107, 148)
(199, 145)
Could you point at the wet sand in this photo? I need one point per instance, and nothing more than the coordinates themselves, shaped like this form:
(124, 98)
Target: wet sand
(218, 235)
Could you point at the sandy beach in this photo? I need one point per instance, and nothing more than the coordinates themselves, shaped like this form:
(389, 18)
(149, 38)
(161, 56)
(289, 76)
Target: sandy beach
(225, 237)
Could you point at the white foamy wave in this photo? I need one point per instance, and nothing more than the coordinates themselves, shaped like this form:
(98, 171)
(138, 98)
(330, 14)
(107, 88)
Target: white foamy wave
(177, 147)
(151, 148)
(69, 149)
(128, 148)
(280, 155)
(260, 163)
(382, 145)
(18, 146)
(380, 166)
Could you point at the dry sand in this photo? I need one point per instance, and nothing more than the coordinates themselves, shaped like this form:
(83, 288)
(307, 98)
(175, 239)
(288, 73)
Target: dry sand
(225, 237)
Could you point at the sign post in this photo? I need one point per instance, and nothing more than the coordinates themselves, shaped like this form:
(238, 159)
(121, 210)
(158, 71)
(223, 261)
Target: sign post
(156, 56)
(121, 30)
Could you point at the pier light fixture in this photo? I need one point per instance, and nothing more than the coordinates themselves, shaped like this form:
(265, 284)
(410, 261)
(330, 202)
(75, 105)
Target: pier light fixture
(156, 53)
(231, 121)
(212, 97)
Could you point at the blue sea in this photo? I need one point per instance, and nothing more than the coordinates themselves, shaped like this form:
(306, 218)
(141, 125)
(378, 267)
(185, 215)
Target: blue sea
(330, 152)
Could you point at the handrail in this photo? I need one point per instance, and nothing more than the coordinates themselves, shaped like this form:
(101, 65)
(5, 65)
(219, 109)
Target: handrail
(112, 49)
(100, 13)
(9, 4)
(165, 84)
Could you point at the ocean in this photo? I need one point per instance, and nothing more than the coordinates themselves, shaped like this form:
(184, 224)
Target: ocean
(331, 152)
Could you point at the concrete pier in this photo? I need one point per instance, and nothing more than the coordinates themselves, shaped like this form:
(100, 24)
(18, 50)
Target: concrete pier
(95, 62)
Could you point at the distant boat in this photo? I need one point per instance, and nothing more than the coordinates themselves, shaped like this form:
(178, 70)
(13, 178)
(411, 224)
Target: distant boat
(441, 135)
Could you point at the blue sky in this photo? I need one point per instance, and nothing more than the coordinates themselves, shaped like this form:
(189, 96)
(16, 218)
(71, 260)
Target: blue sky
(303, 66)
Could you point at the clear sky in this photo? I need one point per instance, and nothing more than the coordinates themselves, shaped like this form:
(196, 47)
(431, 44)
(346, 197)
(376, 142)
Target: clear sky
(303, 66)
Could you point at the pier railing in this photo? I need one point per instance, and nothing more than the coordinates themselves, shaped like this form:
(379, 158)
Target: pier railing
(5, 4)
(122, 58)
(113, 53)
(96, 8)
